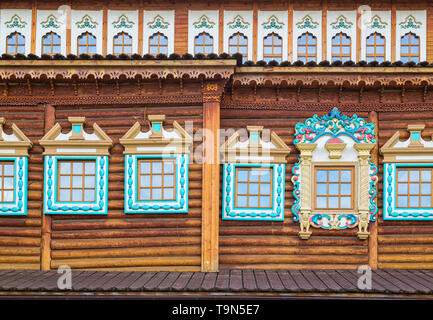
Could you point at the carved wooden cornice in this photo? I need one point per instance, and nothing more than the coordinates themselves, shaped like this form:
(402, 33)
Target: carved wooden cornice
(337, 76)
(114, 69)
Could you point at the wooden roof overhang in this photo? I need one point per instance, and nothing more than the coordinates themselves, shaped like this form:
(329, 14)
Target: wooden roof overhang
(65, 78)
(294, 76)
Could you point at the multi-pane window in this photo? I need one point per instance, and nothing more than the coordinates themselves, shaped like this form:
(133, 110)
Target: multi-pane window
(156, 179)
(307, 46)
(122, 43)
(51, 43)
(334, 188)
(158, 43)
(272, 48)
(15, 43)
(409, 48)
(253, 187)
(86, 43)
(375, 48)
(238, 43)
(341, 47)
(7, 175)
(203, 43)
(414, 188)
(76, 181)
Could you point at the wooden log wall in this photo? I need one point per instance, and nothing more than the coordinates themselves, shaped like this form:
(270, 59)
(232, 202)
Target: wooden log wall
(134, 241)
(276, 245)
(20, 236)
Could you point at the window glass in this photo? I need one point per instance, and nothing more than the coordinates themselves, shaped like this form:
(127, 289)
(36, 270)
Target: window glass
(156, 179)
(77, 181)
(334, 188)
(253, 187)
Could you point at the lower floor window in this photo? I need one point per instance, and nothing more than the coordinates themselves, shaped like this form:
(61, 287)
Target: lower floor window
(156, 179)
(253, 187)
(414, 187)
(77, 180)
(7, 174)
(334, 187)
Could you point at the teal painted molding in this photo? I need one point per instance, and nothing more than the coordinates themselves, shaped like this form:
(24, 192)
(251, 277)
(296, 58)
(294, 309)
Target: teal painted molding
(230, 212)
(19, 206)
(390, 211)
(179, 205)
(53, 206)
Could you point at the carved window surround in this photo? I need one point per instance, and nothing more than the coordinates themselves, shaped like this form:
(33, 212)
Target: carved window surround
(156, 143)
(76, 145)
(415, 152)
(255, 152)
(14, 150)
(334, 140)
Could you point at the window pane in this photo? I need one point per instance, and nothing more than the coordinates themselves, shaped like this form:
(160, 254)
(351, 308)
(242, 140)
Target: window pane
(345, 202)
(345, 40)
(117, 50)
(145, 194)
(89, 195)
(253, 201)
(163, 40)
(156, 194)
(321, 189)
(425, 175)
(414, 175)
(168, 194)
(199, 40)
(243, 40)
(127, 40)
(8, 183)
(156, 180)
(414, 188)
(322, 175)
(242, 201)
(425, 201)
(346, 188)
(92, 40)
(65, 181)
(402, 188)
(242, 175)
(254, 188)
(277, 40)
(145, 181)
(265, 188)
(333, 175)
(333, 202)
(77, 181)
(413, 201)
(64, 195)
(405, 40)
(346, 176)
(77, 195)
(265, 201)
(89, 182)
(402, 175)
(118, 40)
(168, 180)
(402, 201)
(333, 188)
(65, 167)
(321, 202)
(156, 167)
(301, 50)
(8, 170)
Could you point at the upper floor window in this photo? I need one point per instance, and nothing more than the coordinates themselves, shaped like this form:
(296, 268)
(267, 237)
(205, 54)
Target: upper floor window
(409, 48)
(86, 43)
(51, 43)
(77, 180)
(238, 43)
(15, 43)
(341, 47)
(156, 179)
(375, 47)
(122, 43)
(307, 47)
(203, 43)
(253, 187)
(7, 177)
(272, 47)
(158, 43)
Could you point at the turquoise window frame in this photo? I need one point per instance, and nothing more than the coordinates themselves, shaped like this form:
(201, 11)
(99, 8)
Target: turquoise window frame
(179, 205)
(52, 206)
(229, 210)
(390, 211)
(19, 206)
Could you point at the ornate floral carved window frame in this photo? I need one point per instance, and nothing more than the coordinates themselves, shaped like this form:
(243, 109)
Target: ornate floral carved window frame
(258, 153)
(76, 145)
(14, 148)
(156, 143)
(334, 139)
(415, 152)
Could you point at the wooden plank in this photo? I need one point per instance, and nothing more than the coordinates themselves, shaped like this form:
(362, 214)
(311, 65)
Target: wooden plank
(300, 280)
(153, 283)
(14, 282)
(140, 26)
(287, 281)
(209, 281)
(402, 287)
(97, 285)
(104, 28)
(211, 178)
(393, 30)
(274, 280)
(87, 281)
(222, 282)
(24, 284)
(235, 283)
(315, 281)
(141, 281)
(33, 32)
(290, 31)
(194, 283)
(261, 280)
(412, 280)
(181, 282)
(324, 22)
(37, 285)
(221, 29)
(166, 284)
(124, 284)
(255, 29)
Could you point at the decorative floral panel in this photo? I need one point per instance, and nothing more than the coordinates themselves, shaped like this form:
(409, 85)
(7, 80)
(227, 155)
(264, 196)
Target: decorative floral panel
(86, 21)
(311, 22)
(239, 22)
(122, 21)
(272, 22)
(332, 142)
(414, 21)
(156, 168)
(158, 21)
(200, 21)
(407, 174)
(50, 21)
(254, 176)
(13, 20)
(76, 169)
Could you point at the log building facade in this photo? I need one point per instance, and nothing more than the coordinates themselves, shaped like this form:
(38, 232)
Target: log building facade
(188, 136)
